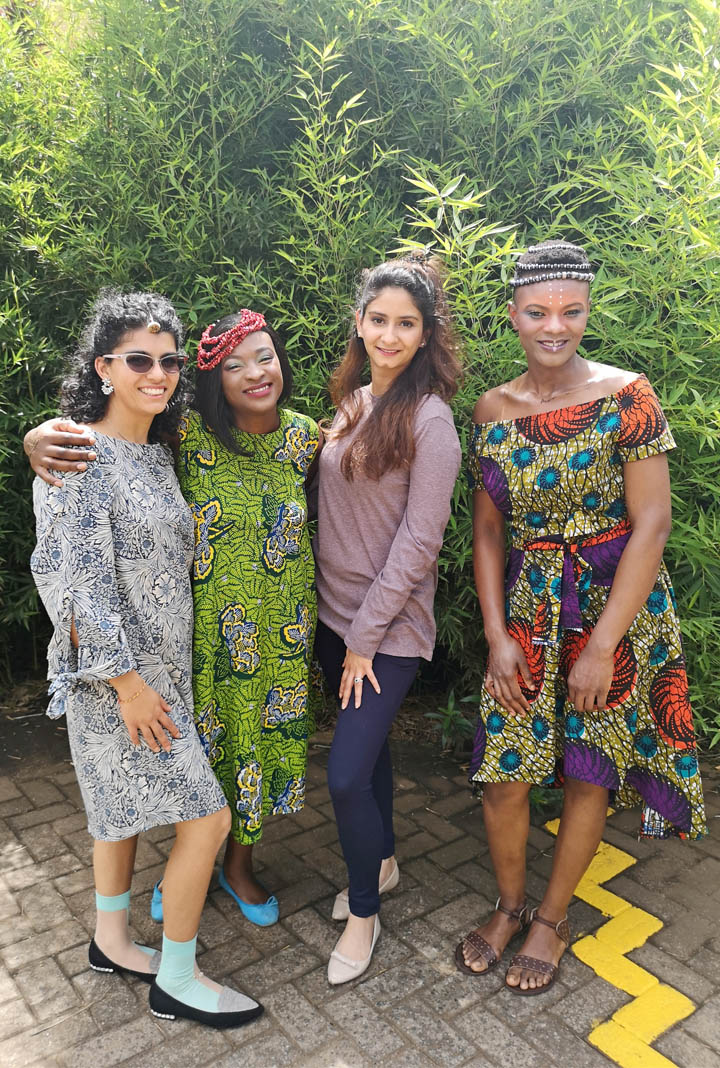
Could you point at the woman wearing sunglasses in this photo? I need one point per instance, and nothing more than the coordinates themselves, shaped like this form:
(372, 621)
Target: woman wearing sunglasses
(114, 549)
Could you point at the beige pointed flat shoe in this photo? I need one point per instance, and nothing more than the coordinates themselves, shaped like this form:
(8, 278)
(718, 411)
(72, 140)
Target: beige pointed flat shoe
(341, 969)
(341, 907)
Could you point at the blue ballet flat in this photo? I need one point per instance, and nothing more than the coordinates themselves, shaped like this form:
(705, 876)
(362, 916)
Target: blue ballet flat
(156, 908)
(264, 915)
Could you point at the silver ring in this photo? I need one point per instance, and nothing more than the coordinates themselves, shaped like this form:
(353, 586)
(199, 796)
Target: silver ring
(358, 679)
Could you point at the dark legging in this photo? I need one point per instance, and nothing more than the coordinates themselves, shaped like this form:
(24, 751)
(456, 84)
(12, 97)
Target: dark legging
(360, 769)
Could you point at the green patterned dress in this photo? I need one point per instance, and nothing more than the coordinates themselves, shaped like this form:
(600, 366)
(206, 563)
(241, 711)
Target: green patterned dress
(255, 612)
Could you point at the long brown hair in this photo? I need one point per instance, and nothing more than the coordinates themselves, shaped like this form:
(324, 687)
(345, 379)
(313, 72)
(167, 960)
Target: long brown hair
(386, 440)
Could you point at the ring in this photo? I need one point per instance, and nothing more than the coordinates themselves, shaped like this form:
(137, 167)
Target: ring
(358, 679)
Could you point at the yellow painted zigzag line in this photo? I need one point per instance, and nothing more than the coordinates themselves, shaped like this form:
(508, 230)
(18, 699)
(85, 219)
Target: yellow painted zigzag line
(626, 1037)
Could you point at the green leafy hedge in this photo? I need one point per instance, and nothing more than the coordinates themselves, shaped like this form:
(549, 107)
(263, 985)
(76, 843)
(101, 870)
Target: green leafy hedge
(232, 152)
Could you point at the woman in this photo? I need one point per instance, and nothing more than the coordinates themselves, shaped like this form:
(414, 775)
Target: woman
(242, 463)
(111, 563)
(585, 679)
(387, 473)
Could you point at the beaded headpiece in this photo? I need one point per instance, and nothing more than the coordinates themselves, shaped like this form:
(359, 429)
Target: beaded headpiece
(552, 260)
(154, 326)
(214, 348)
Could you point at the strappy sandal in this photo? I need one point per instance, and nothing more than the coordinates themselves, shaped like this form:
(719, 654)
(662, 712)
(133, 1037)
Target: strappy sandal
(483, 947)
(534, 964)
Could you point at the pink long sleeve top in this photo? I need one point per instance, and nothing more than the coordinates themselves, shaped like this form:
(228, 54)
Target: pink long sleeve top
(378, 542)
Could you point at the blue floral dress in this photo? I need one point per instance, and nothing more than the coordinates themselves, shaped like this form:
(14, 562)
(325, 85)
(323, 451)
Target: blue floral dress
(557, 478)
(255, 611)
(114, 549)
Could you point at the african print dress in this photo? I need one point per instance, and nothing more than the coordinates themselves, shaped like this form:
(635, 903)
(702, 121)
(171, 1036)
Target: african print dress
(254, 594)
(557, 478)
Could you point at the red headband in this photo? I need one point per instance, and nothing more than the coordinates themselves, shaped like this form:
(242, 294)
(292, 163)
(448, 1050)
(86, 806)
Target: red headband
(212, 350)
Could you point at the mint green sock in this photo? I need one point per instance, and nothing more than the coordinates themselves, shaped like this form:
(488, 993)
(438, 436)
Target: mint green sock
(177, 976)
(112, 904)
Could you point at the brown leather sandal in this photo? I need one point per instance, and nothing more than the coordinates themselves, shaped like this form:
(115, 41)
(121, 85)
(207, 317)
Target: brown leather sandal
(483, 947)
(534, 964)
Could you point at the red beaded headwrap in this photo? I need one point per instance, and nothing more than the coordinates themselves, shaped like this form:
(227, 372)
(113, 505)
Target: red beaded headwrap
(212, 350)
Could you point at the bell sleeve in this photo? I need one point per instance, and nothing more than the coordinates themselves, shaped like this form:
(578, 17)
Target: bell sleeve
(73, 565)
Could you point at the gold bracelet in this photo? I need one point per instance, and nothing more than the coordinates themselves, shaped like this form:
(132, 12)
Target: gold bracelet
(127, 700)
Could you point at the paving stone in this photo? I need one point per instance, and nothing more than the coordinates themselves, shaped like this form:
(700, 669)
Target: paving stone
(15, 855)
(584, 919)
(559, 1045)
(432, 1034)
(41, 792)
(14, 929)
(686, 1052)
(410, 802)
(43, 945)
(8, 789)
(309, 927)
(456, 853)
(456, 802)
(707, 963)
(461, 915)
(426, 874)
(14, 807)
(328, 864)
(299, 1019)
(283, 967)
(305, 892)
(74, 961)
(518, 1010)
(264, 1052)
(583, 1009)
(686, 979)
(426, 939)
(662, 906)
(494, 1038)
(307, 840)
(397, 908)
(685, 936)
(109, 1006)
(417, 845)
(44, 907)
(306, 818)
(228, 957)
(46, 989)
(54, 868)
(48, 1040)
(346, 1054)
(112, 1047)
(440, 827)
(451, 994)
(15, 1016)
(82, 879)
(366, 1026)
(81, 845)
(705, 1023)
(41, 815)
(394, 984)
(203, 1046)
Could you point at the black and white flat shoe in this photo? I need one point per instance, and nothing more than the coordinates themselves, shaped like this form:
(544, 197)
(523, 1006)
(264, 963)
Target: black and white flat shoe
(100, 963)
(234, 1009)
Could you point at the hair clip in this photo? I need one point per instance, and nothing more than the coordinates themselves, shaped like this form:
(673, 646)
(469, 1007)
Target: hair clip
(154, 326)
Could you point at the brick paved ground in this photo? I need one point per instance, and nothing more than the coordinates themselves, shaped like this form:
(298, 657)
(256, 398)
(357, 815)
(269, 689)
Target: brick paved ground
(411, 1009)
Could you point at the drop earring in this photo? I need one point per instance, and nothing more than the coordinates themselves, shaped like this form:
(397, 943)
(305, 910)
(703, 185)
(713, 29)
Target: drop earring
(107, 387)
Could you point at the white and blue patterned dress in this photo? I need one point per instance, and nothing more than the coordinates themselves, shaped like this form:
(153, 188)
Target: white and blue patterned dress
(114, 548)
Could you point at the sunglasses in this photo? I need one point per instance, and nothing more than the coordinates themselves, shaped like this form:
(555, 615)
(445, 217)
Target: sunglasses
(141, 363)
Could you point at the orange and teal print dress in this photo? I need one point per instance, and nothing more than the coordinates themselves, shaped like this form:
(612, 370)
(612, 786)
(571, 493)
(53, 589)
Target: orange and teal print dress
(255, 612)
(557, 478)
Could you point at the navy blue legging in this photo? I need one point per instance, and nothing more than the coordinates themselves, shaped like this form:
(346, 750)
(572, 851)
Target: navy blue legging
(360, 769)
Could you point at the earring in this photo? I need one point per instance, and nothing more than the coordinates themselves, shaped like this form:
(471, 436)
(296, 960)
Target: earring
(107, 387)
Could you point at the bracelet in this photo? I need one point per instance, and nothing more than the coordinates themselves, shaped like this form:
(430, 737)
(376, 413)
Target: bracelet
(127, 700)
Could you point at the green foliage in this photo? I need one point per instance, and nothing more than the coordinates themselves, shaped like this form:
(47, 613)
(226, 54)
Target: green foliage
(451, 721)
(232, 152)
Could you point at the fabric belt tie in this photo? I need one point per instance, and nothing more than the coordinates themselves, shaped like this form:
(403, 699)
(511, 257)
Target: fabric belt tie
(593, 558)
